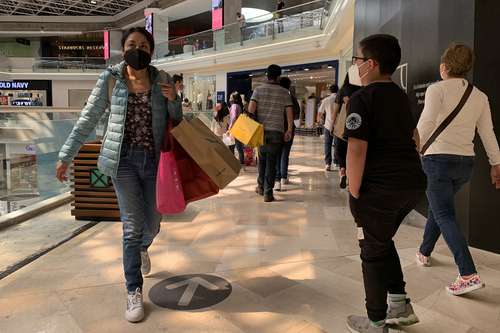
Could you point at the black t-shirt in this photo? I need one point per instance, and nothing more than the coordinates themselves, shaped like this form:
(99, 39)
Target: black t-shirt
(280, 5)
(380, 114)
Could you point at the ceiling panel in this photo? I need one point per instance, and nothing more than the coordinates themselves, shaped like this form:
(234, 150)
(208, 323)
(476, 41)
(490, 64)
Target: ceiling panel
(65, 7)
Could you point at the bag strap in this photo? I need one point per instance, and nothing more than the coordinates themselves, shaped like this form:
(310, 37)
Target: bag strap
(448, 119)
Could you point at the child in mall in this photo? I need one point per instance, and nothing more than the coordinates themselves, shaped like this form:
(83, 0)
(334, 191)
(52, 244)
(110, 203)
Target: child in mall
(386, 180)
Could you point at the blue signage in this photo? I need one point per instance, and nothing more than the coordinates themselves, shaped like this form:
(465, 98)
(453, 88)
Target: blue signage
(14, 85)
(221, 96)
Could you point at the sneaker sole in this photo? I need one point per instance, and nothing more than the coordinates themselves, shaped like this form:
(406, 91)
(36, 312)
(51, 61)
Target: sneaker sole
(466, 290)
(403, 321)
(134, 320)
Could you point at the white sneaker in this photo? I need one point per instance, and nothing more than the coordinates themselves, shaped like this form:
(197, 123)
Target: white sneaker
(135, 306)
(283, 183)
(145, 263)
(423, 260)
(277, 186)
(328, 167)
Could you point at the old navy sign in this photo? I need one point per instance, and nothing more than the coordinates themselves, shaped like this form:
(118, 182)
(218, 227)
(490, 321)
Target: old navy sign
(14, 85)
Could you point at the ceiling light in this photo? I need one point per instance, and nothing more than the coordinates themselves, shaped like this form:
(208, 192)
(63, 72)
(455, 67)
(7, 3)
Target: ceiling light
(330, 67)
(93, 2)
(306, 69)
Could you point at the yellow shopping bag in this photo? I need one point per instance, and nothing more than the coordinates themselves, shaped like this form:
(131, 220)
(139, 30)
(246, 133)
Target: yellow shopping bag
(248, 131)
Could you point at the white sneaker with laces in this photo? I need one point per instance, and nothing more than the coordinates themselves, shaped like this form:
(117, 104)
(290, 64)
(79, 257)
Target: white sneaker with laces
(277, 186)
(135, 306)
(145, 263)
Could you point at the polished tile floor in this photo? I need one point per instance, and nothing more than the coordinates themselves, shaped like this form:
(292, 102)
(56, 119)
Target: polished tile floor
(293, 266)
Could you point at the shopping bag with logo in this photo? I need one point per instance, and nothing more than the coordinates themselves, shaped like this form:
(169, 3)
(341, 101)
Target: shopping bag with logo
(169, 192)
(208, 151)
(248, 131)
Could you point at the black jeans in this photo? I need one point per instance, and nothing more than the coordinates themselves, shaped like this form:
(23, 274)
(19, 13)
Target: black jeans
(378, 214)
(239, 148)
(341, 152)
(268, 158)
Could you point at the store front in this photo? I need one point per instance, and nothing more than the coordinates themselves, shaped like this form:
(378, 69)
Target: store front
(200, 91)
(26, 93)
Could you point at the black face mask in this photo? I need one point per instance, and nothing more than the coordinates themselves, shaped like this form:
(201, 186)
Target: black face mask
(137, 59)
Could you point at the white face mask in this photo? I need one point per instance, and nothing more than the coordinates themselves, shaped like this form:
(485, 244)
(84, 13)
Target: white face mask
(354, 77)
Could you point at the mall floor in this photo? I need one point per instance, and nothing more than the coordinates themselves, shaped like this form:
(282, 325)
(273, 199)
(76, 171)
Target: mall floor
(293, 266)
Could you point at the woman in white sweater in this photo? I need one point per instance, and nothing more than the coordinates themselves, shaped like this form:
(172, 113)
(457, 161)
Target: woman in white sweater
(449, 160)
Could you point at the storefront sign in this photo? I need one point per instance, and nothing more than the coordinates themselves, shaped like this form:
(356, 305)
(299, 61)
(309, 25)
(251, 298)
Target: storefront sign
(14, 85)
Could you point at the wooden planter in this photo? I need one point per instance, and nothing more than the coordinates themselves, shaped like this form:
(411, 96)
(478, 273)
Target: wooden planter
(94, 197)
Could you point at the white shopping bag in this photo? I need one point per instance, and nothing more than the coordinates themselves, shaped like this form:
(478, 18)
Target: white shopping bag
(228, 140)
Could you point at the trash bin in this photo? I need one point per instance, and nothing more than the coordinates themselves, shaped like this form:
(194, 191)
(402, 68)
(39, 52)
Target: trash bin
(94, 197)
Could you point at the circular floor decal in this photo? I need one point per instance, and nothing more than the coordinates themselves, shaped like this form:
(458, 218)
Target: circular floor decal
(190, 292)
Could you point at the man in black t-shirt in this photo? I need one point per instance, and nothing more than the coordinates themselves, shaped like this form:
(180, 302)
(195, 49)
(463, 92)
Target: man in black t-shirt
(385, 179)
(279, 15)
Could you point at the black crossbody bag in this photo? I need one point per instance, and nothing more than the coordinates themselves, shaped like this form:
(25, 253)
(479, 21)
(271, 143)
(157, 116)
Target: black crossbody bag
(448, 119)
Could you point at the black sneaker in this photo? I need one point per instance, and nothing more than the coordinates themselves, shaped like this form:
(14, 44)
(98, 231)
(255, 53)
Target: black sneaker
(259, 190)
(343, 182)
(268, 198)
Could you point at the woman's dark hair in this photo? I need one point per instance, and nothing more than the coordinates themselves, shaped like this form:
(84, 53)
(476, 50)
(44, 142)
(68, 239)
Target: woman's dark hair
(142, 31)
(285, 82)
(178, 78)
(237, 99)
(222, 113)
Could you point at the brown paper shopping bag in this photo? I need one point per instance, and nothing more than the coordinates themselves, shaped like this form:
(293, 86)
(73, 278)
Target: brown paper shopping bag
(208, 151)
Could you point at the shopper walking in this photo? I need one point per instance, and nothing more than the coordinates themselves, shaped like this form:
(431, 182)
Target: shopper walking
(386, 180)
(235, 111)
(220, 121)
(448, 159)
(326, 109)
(141, 105)
(279, 15)
(338, 127)
(284, 157)
(270, 103)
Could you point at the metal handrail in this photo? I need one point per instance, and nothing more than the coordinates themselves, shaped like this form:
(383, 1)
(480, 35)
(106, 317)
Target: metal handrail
(237, 23)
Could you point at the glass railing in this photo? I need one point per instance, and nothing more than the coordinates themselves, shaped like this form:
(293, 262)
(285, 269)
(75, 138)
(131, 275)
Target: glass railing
(30, 140)
(302, 20)
(46, 64)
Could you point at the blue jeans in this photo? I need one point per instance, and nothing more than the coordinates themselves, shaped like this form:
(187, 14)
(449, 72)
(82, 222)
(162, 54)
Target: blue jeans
(283, 161)
(328, 146)
(135, 187)
(239, 147)
(446, 174)
(268, 157)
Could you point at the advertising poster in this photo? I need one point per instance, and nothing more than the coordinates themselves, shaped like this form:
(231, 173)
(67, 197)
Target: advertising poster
(217, 14)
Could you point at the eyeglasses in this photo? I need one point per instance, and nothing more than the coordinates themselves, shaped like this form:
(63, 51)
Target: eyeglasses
(355, 59)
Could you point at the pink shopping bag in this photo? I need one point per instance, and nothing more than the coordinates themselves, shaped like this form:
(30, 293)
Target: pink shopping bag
(169, 191)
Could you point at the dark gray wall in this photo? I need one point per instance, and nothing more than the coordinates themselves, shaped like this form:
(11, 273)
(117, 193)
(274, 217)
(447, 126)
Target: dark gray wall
(484, 200)
(425, 29)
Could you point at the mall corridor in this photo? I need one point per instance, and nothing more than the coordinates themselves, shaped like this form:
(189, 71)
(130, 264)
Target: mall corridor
(293, 266)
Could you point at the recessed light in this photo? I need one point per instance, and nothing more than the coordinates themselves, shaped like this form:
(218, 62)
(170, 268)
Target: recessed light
(306, 69)
(330, 67)
(94, 2)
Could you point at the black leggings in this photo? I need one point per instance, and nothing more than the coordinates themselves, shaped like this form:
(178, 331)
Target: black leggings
(341, 152)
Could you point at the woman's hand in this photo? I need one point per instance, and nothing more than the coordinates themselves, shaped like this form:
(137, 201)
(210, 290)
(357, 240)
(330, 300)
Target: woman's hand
(61, 170)
(168, 91)
(495, 176)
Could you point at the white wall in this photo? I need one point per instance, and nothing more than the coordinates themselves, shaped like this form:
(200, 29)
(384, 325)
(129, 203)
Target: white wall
(60, 90)
(221, 82)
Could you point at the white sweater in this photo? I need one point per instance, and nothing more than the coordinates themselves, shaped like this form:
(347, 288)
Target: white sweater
(457, 139)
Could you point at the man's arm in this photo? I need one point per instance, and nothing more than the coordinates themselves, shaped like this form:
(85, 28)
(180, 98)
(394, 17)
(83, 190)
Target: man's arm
(252, 107)
(356, 160)
(289, 120)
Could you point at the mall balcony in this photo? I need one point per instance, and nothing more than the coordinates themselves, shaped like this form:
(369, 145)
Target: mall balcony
(231, 263)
